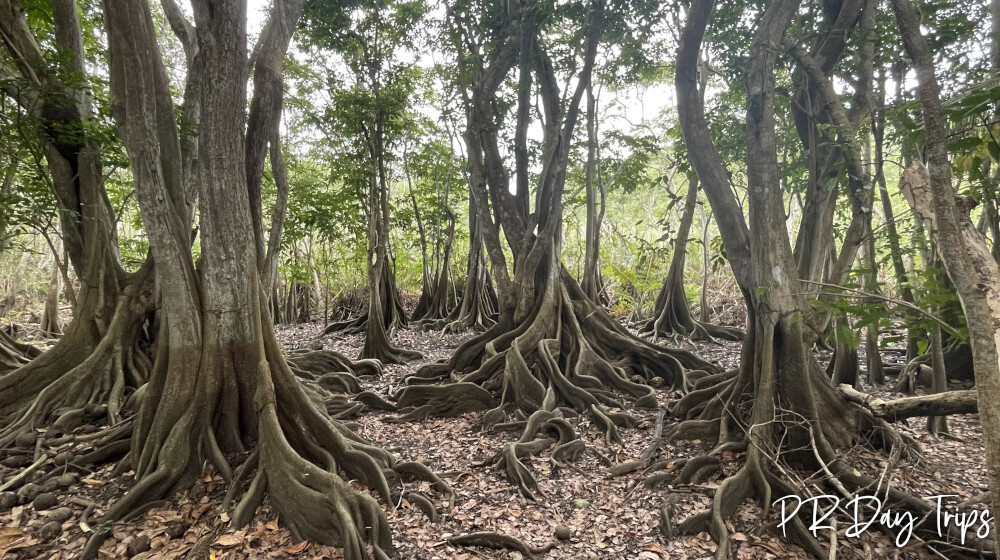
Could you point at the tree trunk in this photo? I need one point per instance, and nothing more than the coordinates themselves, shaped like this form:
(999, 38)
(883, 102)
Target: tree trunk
(672, 313)
(478, 307)
(951, 402)
(50, 324)
(592, 283)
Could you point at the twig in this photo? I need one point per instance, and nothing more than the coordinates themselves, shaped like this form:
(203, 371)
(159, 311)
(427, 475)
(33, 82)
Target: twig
(24, 474)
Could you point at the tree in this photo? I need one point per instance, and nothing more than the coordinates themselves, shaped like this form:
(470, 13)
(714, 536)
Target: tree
(671, 314)
(552, 345)
(432, 169)
(102, 350)
(770, 406)
(218, 383)
(373, 115)
(596, 190)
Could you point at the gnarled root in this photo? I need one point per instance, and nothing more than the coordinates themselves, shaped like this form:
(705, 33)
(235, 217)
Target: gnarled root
(498, 541)
(301, 456)
(566, 353)
(58, 387)
(13, 353)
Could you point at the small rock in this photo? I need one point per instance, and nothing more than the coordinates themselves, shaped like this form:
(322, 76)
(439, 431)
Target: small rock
(562, 532)
(26, 440)
(580, 503)
(62, 458)
(50, 485)
(50, 530)
(16, 461)
(44, 501)
(316, 345)
(177, 529)
(7, 500)
(28, 492)
(63, 514)
(138, 545)
(67, 479)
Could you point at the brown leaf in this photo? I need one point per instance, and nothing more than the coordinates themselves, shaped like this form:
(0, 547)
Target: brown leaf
(200, 511)
(10, 535)
(297, 548)
(226, 541)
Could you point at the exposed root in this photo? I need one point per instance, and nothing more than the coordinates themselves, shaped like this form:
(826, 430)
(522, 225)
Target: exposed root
(393, 314)
(59, 387)
(302, 459)
(443, 400)
(567, 353)
(498, 541)
(13, 353)
(424, 505)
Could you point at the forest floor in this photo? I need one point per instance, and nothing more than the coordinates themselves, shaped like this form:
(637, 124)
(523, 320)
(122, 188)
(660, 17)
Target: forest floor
(607, 517)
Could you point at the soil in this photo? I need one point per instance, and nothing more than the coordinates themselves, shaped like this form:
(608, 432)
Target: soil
(585, 511)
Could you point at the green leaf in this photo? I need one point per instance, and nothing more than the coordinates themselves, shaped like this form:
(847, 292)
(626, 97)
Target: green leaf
(994, 150)
(965, 144)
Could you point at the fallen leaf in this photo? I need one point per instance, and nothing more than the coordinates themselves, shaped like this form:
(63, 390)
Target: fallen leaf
(10, 535)
(200, 511)
(226, 541)
(224, 517)
(297, 548)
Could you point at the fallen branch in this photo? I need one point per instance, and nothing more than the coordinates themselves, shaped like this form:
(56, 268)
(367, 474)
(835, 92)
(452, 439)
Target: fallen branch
(940, 404)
